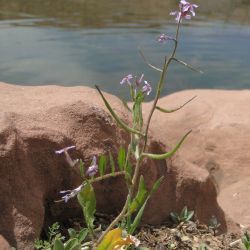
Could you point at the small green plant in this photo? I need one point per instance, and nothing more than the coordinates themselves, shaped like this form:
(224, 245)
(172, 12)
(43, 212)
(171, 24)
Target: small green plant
(118, 234)
(214, 224)
(57, 242)
(53, 234)
(184, 216)
(246, 241)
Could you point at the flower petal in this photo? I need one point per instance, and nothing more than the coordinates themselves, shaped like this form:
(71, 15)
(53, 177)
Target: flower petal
(184, 2)
(60, 151)
(71, 193)
(146, 88)
(127, 79)
(93, 169)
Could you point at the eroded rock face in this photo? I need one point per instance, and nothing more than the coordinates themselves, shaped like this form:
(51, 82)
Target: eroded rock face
(36, 121)
(4, 245)
(218, 143)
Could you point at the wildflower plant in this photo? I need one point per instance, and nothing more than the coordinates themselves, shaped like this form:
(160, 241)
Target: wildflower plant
(53, 235)
(184, 216)
(119, 233)
(246, 241)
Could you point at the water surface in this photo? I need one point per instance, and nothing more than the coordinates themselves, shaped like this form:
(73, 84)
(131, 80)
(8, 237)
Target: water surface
(87, 42)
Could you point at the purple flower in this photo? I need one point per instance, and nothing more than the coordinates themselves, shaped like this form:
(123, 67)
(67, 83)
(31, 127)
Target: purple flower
(93, 169)
(64, 150)
(146, 88)
(188, 7)
(127, 79)
(138, 82)
(163, 38)
(71, 193)
(186, 11)
(71, 162)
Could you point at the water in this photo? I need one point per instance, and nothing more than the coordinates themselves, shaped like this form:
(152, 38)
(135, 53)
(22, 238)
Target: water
(87, 42)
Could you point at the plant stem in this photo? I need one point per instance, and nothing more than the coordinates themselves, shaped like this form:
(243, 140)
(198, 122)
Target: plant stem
(100, 178)
(160, 84)
(106, 176)
(115, 221)
(124, 209)
(144, 136)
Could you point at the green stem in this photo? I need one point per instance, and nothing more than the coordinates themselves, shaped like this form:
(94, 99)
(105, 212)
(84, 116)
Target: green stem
(137, 167)
(160, 84)
(101, 178)
(115, 221)
(122, 213)
(106, 176)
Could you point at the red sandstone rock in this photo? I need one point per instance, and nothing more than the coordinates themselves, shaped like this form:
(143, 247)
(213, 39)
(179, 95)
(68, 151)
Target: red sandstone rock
(36, 121)
(219, 142)
(4, 245)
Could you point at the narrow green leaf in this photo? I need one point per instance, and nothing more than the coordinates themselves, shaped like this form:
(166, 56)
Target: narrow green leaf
(156, 185)
(89, 214)
(87, 200)
(72, 244)
(175, 109)
(145, 199)
(129, 168)
(174, 217)
(58, 245)
(140, 196)
(112, 163)
(137, 219)
(72, 233)
(187, 65)
(118, 120)
(82, 235)
(121, 158)
(141, 200)
(184, 212)
(102, 165)
(81, 168)
(76, 247)
(190, 215)
(87, 195)
(168, 154)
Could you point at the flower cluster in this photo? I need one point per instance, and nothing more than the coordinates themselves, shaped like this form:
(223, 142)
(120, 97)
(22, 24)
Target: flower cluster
(186, 11)
(91, 171)
(71, 193)
(146, 88)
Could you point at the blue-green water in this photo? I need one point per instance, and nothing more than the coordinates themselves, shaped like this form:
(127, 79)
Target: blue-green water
(96, 42)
